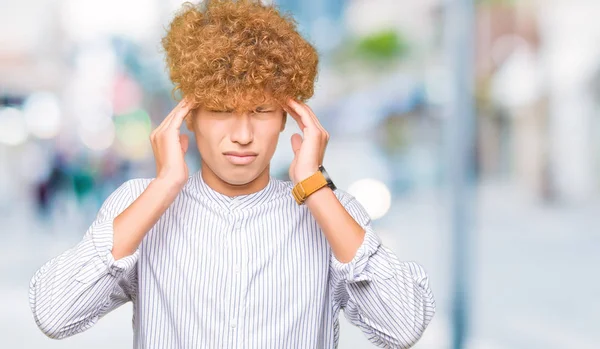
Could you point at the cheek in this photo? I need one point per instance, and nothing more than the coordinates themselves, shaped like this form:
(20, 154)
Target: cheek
(210, 130)
(270, 138)
(208, 138)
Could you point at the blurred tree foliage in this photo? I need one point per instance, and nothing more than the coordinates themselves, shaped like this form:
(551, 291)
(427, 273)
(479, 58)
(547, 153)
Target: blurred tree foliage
(377, 50)
(384, 45)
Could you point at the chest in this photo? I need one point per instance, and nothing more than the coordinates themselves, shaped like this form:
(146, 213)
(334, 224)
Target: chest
(236, 263)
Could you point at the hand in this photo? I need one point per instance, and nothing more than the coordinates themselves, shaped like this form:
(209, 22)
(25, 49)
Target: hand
(169, 147)
(310, 149)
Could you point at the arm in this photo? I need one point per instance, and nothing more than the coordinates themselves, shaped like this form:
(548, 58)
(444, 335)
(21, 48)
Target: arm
(389, 300)
(72, 291)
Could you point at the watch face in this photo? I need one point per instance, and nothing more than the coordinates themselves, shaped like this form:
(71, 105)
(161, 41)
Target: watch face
(327, 178)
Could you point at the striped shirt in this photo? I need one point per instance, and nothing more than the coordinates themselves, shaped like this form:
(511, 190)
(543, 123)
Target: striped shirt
(250, 271)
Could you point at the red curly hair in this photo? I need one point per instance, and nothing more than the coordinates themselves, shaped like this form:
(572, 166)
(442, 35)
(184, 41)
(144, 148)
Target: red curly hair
(234, 55)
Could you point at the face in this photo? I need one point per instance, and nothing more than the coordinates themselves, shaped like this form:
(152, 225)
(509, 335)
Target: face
(238, 148)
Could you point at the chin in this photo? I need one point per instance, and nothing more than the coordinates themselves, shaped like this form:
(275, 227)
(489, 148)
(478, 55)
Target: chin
(238, 178)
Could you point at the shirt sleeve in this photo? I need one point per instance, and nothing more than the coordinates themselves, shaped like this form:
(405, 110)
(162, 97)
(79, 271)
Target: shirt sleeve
(69, 293)
(388, 299)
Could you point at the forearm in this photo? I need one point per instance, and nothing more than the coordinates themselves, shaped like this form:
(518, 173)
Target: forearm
(388, 299)
(135, 221)
(392, 303)
(342, 232)
(69, 292)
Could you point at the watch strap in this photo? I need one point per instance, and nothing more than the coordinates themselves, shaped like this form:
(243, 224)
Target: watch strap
(306, 187)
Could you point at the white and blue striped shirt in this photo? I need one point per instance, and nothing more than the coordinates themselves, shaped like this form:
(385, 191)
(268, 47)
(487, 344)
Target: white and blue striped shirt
(251, 271)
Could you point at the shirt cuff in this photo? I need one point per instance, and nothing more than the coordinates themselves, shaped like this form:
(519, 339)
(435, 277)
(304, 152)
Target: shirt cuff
(102, 238)
(354, 270)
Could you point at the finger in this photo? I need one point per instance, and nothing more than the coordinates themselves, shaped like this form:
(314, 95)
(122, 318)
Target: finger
(296, 117)
(301, 114)
(296, 142)
(167, 119)
(321, 134)
(312, 115)
(178, 117)
(303, 111)
(184, 140)
(308, 118)
(178, 114)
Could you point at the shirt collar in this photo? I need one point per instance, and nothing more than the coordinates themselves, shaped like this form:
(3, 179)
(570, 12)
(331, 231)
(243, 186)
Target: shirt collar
(239, 202)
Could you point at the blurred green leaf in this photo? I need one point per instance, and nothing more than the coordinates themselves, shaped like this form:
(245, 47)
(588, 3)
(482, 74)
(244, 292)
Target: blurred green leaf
(384, 45)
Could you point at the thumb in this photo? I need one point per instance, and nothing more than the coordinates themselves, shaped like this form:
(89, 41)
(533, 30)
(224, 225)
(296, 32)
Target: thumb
(296, 142)
(184, 140)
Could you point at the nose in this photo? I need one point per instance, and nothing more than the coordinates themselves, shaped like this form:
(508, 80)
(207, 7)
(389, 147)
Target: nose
(241, 132)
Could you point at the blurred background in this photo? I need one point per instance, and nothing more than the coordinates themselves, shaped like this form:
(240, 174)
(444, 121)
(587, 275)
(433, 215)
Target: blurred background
(470, 131)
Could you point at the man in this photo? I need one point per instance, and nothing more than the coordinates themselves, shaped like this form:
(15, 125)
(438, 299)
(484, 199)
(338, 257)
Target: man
(230, 257)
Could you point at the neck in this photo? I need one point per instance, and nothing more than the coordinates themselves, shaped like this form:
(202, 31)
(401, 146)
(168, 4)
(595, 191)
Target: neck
(231, 190)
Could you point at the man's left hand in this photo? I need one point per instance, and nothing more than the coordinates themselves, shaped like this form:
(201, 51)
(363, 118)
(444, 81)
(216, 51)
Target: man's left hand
(310, 149)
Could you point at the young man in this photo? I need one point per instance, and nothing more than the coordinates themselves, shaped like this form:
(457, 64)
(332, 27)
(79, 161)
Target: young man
(230, 257)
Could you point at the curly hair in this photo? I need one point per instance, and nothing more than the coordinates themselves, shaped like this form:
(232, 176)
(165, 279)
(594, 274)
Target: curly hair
(227, 54)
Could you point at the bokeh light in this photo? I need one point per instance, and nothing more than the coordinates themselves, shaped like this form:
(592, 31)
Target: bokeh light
(98, 139)
(13, 130)
(42, 115)
(132, 131)
(374, 195)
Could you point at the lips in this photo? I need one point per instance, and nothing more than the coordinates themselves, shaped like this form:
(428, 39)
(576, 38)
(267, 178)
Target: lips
(240, 153)
(240, 158)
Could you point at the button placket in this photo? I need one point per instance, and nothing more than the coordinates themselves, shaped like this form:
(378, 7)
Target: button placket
(237, 225)
(239, 274)
(234, 233)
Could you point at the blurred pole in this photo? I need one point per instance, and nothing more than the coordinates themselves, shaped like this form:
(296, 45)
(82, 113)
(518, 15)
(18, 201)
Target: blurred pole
(459, 45)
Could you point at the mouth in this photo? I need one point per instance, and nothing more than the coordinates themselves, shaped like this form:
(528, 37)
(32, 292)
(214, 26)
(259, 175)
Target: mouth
(240, 158)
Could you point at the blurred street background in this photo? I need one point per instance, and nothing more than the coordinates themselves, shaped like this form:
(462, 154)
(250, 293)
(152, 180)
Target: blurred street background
(494, 188)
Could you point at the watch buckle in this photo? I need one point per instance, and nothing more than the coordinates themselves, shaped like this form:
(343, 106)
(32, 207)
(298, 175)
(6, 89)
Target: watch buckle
(299, 193)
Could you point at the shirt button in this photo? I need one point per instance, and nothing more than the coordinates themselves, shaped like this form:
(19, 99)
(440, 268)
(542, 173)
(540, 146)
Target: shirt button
(233, 324)
(237, 269)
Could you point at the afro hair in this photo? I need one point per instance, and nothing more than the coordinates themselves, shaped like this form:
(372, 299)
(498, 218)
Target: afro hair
(234, 55)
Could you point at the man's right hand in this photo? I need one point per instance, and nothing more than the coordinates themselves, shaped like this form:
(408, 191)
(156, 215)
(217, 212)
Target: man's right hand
(169, 147)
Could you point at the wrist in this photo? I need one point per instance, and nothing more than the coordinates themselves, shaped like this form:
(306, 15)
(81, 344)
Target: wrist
(302, 175)
(165, 188)
(318, 195)
(310, 185)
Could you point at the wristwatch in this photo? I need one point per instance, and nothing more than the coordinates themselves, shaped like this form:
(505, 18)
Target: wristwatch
(306, 187)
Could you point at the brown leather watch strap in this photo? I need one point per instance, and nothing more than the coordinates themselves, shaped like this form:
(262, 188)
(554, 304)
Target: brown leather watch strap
(306, 187)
